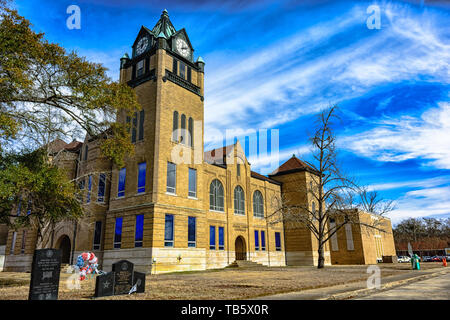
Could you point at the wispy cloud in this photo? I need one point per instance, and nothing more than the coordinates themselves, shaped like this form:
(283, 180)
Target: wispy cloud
(404, 138)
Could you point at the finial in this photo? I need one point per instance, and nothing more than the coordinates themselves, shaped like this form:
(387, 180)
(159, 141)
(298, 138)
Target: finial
(200, 59)
(165, 12)
(293, 156)
(125, 56)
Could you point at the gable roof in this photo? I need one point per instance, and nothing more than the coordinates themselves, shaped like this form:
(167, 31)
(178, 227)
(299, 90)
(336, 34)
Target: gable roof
(262, 177)
(292, 165)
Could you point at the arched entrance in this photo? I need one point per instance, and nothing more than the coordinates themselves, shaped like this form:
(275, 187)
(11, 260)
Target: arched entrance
(64, 246)
(241, 252)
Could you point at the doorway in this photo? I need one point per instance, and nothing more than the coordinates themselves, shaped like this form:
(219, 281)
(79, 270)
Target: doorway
(241, 252)
(64, 246)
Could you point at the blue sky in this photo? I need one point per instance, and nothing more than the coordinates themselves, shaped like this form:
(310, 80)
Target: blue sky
(274, 65)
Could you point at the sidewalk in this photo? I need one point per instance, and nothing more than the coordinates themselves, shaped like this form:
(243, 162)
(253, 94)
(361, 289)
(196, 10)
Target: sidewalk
(357, 289)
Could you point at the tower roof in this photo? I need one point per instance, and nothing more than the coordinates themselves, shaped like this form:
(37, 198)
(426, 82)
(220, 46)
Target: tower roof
(294, 164)
(164, 26)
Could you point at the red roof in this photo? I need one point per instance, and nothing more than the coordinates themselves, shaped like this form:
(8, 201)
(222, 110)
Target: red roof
(261, 177)
(294, 164)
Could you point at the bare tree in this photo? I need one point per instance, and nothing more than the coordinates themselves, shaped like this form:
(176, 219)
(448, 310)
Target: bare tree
(332, 192)
(372, 202)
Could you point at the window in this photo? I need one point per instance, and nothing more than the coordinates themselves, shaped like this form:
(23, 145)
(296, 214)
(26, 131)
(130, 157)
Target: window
(171, 177)
(238, 169)
(168, 231)
(142, 168)
(191, 231)
(183, 129)
(89, 189)
(139, 232)
(263, 240)
(140, 68)
(334, 240)
(212, 238)
(192, 183)
(258, 204)
(182, 70)
(86, 152)
(256, 240)
(216, 201)
(97, 235)
(349, 236)
(189, 76)
(239, 200)
(175, 66)
(175, 127)
(118, 233)
(13, 242)
(134, 128)
(81, 185)
(24, 235)
(122, 176)
(313, 207)
(101, 187)
(277, 241)
(141, 125)
(221, 239)
(191, 132)
(19, 207)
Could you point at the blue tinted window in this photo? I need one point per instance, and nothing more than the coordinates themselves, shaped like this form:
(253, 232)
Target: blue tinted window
(278, 241)
(221, 239)
(168, 233)
(118, 233)
(192, 183)
(212, 238)
(263, 240)
(171, 177)
(101, 188)
(122, 175)
(139, 235)
(191, 231)
(256, 240)
(141, 177)
(89, 189)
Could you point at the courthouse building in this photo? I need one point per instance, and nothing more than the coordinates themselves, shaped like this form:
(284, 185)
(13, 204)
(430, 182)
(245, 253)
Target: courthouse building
(172, 206)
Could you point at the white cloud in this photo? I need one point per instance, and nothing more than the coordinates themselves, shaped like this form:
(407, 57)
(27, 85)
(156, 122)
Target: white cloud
(424, 183)
(422, 203)
(395, 140)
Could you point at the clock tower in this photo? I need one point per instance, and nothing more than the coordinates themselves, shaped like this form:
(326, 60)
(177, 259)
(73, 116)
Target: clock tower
(168, 130)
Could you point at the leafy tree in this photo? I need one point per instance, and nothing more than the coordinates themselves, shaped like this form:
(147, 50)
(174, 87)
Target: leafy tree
(35, 193)
(44, 88)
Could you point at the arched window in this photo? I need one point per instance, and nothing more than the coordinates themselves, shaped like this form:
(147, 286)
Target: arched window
(191, 132)
(216, 199)
(239, 200)
(175, 127)
(183, 129)
(258, 204)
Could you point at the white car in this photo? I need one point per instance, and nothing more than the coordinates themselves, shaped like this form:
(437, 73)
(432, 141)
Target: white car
(404, 259)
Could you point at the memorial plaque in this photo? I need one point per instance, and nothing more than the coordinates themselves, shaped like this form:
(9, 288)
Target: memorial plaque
(45, 270)
(123, 276)
(139, 279)
(104, 285)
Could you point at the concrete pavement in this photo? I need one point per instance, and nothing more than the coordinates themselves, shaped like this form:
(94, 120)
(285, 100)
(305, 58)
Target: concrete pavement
(436, 288)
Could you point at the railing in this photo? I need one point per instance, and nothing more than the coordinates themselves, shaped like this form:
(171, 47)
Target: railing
(182, 82)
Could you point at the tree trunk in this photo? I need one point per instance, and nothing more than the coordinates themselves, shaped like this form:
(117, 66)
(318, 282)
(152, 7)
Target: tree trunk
(321, 261)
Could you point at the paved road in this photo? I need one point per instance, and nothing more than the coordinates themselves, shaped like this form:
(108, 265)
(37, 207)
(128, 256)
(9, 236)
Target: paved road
(436, 288)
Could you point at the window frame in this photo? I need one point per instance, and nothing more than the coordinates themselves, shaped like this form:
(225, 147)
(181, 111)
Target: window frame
(101, 197)
(192, 243)
(258, 203)
(140, 187)
(212, 237)
(278, 239)
(174, 187)
(192, 193)
(256, 232)
(221, 239)
(139, 243)
(118, 244)
(215, 195)
(121, 192)
(97, 246)
(239, 201)
(263, 240)
(169, 243)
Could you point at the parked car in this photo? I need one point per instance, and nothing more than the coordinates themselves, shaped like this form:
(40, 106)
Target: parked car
(436, 259)
(402, 259)
(426, 259)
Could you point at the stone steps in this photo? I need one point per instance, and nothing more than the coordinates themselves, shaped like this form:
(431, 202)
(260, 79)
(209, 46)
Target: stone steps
(245, 264)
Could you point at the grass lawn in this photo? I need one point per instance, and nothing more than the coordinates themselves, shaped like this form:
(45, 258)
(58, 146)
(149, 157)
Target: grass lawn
(222, 284)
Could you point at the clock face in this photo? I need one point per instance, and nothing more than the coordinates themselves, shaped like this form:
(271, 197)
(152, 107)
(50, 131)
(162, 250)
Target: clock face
(141, 45)
(183, 48)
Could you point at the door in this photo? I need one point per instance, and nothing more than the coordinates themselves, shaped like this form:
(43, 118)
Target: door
(241, 252)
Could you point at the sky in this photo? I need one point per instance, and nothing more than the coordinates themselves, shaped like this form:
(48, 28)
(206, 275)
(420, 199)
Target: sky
(273, 65)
